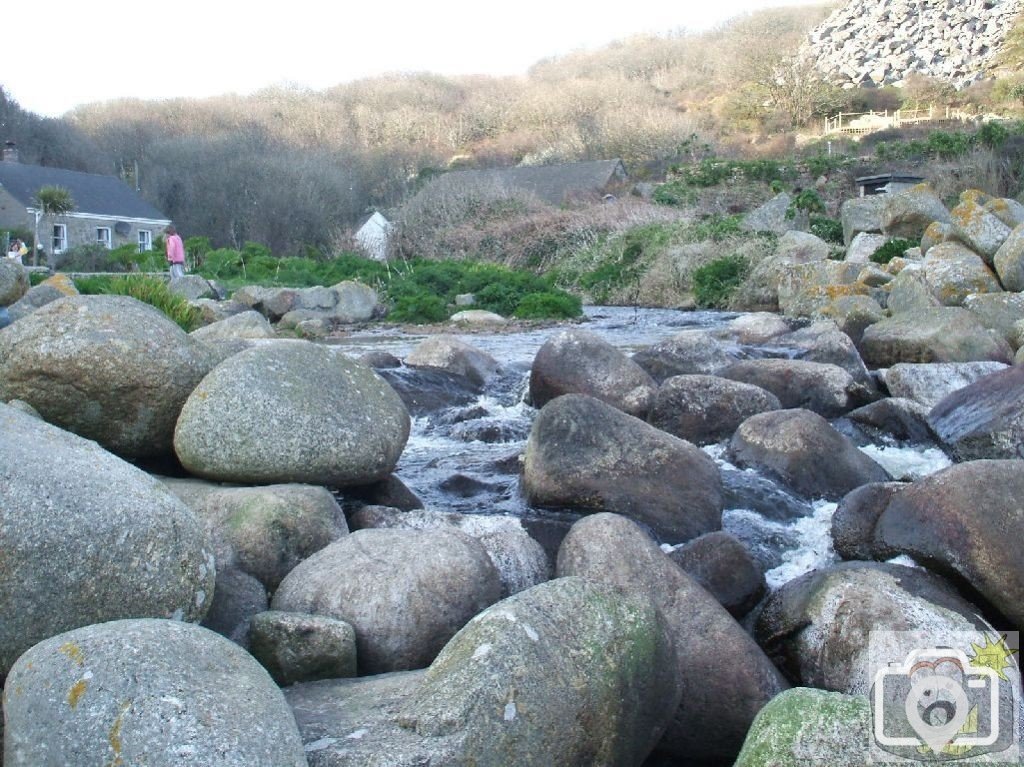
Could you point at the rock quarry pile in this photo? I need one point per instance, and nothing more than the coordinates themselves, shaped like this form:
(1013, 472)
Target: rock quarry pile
(286, 600)
(879, 42)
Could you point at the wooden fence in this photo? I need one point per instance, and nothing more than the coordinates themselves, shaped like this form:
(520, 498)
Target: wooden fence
(861, 123)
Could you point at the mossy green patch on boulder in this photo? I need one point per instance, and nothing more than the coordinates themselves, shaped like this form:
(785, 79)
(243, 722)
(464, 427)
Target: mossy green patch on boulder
(805, 726)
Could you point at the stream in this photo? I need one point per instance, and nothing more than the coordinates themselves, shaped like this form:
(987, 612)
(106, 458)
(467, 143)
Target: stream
(464, 457)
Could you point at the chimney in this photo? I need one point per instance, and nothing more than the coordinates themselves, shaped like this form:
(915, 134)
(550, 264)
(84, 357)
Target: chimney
(10, 151)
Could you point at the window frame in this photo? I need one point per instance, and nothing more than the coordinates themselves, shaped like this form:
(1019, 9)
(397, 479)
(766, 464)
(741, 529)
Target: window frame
(145, 239)
(59, 238)
(108, 241)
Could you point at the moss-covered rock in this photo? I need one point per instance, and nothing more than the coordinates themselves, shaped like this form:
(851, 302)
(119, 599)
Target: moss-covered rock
(806, 726)
(568, 672)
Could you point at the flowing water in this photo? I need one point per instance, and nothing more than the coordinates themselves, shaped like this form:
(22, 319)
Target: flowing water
(464, 457)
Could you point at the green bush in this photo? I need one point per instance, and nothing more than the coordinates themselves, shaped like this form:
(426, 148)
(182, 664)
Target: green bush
(828, 229)
(551, 305)
(892, 249)
(149, 290)
(715, 282)
(806, 200)
(420, 307)
(675, 193)
(993, 134)
(418, 290)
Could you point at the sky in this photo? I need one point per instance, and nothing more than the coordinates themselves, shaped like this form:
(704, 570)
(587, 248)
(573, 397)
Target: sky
(109, 49)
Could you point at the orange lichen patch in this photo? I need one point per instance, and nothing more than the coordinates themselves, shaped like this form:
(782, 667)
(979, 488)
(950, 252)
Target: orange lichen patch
(114, 736)
(966, 213)
(76, 692)
(997, 205)
(63, 283)
(838, 291)
(975, 196)
(74, 652)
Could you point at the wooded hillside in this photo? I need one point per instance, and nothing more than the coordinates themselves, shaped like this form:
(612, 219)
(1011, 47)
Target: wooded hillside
(294, 168)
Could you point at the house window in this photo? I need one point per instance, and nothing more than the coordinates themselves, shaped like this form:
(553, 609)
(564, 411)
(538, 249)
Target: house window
(145, 240)
(60, 238)
(103, 236)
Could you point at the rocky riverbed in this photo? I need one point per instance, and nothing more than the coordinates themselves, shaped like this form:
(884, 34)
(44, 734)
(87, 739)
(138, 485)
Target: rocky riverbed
(652, 537)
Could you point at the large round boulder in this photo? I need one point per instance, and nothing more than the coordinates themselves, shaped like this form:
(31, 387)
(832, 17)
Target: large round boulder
(826, 389)
(449, 354)
(87, 538)
(724, 676)
(153, 692)
(292, 412)
(521, 561)
(578, 361)
(707, 409)
(13, 281)
(586, 456)
(723, 566)
(108, 368)
(248, 325)
(965, 522)
(405, 592)
(691, 352)
(570, 672)
(984, 419)
(804, 725)
(816, 626)
(266, 531)
(940, 334)
(854, 520)
(295, 647)
(791, 444)
(37, 296)
(930, 383)
(824, 342)
(801, 247)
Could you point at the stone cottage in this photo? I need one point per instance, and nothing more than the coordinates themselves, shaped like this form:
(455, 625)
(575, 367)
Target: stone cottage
(106, 210)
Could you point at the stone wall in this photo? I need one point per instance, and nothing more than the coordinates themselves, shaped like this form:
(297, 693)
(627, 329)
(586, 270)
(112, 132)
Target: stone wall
(880, 42)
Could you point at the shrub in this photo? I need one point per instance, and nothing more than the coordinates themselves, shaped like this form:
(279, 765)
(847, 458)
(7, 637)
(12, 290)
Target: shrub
(993, 134)
(890, 250)
(715, 282)
(806, 200)
(97, 258)
(149, 290)
(674, 193)
(555, 305)
(419, 307)
(828, 229)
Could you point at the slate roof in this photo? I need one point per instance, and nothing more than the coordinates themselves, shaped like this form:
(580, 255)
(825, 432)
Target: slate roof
(552, 183)
(93, 194)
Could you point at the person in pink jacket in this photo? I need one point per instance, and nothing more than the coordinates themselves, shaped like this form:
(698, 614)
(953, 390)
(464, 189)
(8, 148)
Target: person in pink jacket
(175, 252)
